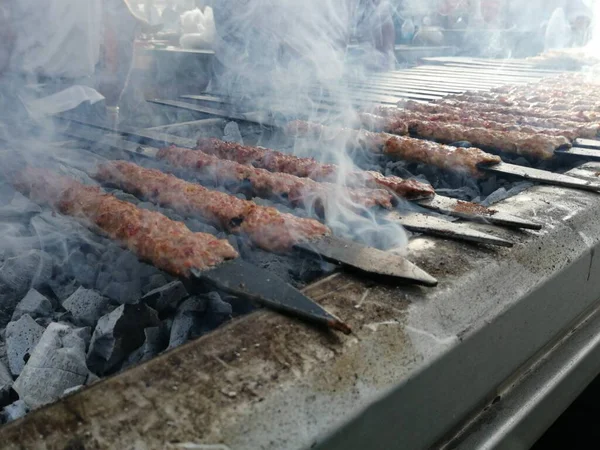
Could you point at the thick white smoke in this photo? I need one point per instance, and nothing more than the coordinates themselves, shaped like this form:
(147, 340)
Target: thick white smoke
(289, 57)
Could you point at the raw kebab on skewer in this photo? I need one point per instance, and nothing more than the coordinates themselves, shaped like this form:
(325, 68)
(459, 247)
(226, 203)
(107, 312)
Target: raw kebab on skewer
(578, 116)
(298, 191)
(587, 130)
(530, 99)
(445, 157)
(153, 237)
(515, 142)
(266, 227)
(275, 161)
(395, 121)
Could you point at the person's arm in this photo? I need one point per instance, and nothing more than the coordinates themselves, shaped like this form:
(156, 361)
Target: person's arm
(7, 35)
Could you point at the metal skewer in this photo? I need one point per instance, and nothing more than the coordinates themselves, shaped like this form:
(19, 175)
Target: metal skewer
(416, 222)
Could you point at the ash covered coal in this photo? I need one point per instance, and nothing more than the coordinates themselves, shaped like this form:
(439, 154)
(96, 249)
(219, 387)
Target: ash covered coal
(74, 306)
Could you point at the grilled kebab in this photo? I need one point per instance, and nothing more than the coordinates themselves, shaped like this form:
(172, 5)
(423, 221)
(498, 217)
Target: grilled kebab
(414, 150)
(275, 161)
(579, 116)
(389, 120)
(266, 227)
(268, 184)
(588, 130)
(153, 237)
(536, 145)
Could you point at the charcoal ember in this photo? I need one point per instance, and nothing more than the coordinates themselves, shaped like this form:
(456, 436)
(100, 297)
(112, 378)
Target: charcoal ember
(188, 321)
(6, 383)
(3, 349)
(14, 411)
(517, 188)
(155, 342)
(86, 306)
(21, 338)
(18, 275)
(462, 144)
(200, 227)
(495, 197)
(63, 287)
(56, 364)
(80, 269)
(117, 334)
(217, 306)
(34, 304)
(103, 280)
(466, 193)
(127, 262)
(154, 281)
(166, 297)
(124, 293)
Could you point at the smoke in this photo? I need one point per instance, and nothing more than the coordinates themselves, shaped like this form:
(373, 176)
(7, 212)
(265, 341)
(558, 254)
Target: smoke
(594, 46)
(289, 58)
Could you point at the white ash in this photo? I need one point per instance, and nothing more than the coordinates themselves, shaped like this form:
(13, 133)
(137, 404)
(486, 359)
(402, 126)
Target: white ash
(21, 338)
(20, 273)
(56, 364)
(34, 304)
(86, 306)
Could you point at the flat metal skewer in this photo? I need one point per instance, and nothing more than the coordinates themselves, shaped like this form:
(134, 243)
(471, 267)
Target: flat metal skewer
(419, 223)
(349, 254)
(245, 280)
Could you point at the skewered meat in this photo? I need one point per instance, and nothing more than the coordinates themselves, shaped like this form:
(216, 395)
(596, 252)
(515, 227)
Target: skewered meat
(299, 191)
(535, 100)
(580, 116)
(415, 150)
(266, 227)
(275, 161)
(167, 244)
(583, 129)
(535, 145)
(386, 119)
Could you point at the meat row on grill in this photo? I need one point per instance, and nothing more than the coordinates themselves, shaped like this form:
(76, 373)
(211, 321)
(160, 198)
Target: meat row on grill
(396, 119)
(299, 191)
(266, 227)
(275, 161)
(515, 142)
(581, 129)
(151, 236)
(409, 149)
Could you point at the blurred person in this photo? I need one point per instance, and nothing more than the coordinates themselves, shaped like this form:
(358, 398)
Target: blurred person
(280, 47)
(376, 30)
(59, 54)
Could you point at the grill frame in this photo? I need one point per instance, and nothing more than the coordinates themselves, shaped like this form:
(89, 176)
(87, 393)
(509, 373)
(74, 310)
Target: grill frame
(422, 362)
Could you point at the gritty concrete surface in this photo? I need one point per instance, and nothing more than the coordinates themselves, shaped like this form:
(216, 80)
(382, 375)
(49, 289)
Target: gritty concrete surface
(269, 382)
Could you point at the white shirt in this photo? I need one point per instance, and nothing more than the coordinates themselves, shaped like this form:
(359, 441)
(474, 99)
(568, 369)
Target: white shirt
(57, 38)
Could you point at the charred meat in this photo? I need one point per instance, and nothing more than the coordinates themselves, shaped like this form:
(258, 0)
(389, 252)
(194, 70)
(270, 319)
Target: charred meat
(409, 149)
(266, 227)
(151, 236)
(275, 161)
(298, 191)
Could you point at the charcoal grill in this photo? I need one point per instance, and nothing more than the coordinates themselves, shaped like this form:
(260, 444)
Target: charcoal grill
(488, 358)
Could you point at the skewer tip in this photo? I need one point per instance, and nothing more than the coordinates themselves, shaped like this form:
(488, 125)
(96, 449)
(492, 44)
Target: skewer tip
(339, 326)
